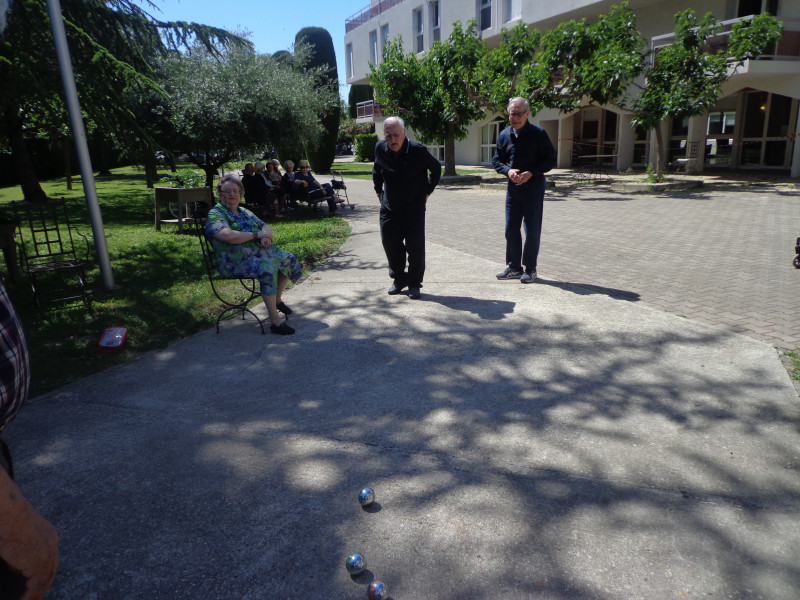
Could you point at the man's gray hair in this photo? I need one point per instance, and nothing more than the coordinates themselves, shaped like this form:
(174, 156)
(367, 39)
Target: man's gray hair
(397, 120)
(519, 100)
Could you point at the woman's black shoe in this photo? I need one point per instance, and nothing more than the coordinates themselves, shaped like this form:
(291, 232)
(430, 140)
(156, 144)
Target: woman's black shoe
(284, 309)
(282, 329)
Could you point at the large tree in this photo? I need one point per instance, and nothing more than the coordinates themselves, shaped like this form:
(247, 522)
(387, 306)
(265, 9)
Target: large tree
(239, 103)
(432, 94)
(569, 64)
(686, 77)
(112, 45)
(322, 58)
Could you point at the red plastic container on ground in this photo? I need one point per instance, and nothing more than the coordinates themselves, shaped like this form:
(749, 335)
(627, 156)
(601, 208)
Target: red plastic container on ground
(112, 339)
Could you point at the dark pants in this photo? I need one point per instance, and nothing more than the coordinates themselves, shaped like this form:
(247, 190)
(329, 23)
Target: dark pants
(326, 191)
(524, 210)
(404, 235)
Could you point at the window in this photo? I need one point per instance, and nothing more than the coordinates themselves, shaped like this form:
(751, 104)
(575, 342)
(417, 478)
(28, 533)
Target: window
(349, 63)
(721, 123)
(419, 41)
(756, 7)
(485, 14)
(436, 21)
(437, 150)
(373, 47)
(384, 37)
(768, 118)
(511, 10)
(489, 133)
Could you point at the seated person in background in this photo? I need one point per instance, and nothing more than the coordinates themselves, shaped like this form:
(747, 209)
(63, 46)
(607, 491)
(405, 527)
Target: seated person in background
(275, 176)
(275, 187)
(295, 189)
(256, 191)
(315, 189)
(243, 246)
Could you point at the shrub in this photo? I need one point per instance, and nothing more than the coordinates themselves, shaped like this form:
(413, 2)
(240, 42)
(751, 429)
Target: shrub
(365, 147)
(184, 178)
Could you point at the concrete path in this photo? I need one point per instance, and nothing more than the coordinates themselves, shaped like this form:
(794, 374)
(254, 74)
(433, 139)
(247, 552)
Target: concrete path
(543, 441)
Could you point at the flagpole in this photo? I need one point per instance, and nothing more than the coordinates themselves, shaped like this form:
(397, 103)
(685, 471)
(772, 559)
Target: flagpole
(79, 134)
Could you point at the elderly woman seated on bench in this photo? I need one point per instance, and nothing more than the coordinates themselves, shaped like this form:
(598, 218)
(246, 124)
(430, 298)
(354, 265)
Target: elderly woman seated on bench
(316, 191)
(244, 249)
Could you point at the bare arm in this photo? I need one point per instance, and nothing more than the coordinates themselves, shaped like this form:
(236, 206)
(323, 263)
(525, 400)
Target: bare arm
(28, 543)
(230, 236)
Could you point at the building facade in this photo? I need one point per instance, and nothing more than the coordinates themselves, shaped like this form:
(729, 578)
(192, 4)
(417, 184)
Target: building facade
(754, 125)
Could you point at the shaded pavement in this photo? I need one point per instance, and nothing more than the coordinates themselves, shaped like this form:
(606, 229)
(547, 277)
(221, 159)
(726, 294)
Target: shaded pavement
(549, 441)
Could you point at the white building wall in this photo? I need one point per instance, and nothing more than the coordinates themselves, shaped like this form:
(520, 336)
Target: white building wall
(654, 17)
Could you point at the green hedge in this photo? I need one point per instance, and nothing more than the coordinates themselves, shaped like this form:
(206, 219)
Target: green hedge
(365, 147)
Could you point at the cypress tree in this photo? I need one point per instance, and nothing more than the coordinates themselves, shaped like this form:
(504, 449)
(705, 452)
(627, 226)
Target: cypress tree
(323, 55)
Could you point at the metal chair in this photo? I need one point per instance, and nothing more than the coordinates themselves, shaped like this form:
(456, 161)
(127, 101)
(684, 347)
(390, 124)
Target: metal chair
(233, 300)
(339, 188)
(48, 255)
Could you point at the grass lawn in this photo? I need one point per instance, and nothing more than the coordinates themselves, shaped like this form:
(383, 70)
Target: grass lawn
(161, 291)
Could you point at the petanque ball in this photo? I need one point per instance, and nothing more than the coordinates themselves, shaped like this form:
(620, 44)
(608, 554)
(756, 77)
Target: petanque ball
(366, 496)
(377, 590)
(355, 564)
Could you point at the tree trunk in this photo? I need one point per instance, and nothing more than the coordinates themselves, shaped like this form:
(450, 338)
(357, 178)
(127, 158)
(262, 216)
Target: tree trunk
(150, 167)
(65, 143)
(661, 159)
(26, 175)
(450, 151)
(102, 159)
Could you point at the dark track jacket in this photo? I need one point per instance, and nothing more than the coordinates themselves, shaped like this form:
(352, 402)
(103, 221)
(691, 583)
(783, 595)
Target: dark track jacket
(402, 180)
(530, 150)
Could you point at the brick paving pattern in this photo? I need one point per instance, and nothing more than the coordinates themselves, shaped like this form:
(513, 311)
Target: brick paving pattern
(721, 254)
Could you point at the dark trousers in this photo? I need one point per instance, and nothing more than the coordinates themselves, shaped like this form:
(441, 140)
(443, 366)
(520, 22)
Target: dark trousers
(326, 191)
(404, 236)
(524, 210)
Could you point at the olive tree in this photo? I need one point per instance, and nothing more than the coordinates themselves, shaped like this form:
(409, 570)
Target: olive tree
(240, 102)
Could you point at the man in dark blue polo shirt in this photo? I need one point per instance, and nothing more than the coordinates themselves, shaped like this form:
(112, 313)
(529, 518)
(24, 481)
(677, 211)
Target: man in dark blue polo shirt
(404, 174)
(524, 154)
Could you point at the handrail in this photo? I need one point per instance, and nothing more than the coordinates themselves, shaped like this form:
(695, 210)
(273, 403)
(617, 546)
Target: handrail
(364, 15)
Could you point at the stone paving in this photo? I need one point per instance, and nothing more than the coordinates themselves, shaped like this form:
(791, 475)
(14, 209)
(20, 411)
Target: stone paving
(721, 254)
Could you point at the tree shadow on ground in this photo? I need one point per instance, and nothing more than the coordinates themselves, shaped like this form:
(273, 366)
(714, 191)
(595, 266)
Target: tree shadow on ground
(527, 454)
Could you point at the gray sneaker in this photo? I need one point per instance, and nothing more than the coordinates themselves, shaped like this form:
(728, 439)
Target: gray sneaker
(510, 273)
(528, 277)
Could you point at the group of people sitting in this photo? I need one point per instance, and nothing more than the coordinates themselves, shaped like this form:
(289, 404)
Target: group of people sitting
(276, 194)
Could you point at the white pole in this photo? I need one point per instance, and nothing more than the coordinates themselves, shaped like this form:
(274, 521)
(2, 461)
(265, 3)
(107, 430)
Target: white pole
(79, 133)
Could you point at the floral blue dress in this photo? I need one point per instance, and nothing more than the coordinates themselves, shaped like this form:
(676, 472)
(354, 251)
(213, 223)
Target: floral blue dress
(249, 260)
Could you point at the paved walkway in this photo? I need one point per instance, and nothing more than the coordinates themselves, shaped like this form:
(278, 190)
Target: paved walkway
(538, 441)
(721, 254)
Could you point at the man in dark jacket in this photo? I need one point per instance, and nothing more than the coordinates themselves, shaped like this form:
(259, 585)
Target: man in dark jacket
(524, 154)
(404, 174)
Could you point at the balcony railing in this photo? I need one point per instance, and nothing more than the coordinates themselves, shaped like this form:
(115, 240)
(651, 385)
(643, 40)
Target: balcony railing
(370, 12)
(368, 109)
(787, 48)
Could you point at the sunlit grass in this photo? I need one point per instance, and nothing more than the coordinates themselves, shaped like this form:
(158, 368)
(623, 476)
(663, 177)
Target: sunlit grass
(161, 293)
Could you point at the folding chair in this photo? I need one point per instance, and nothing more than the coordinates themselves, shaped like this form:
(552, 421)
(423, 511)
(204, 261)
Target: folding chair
(236, 299)
(48, 255)
(339, 188)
